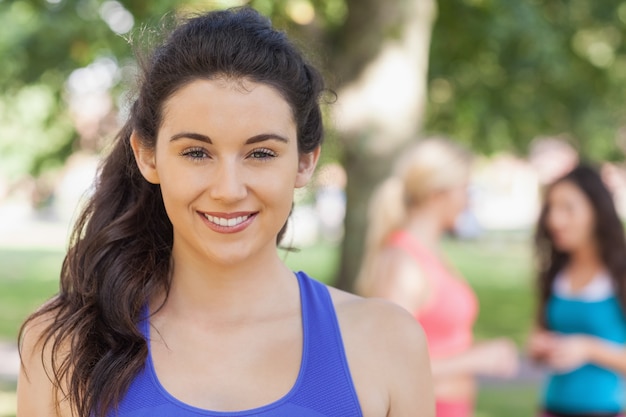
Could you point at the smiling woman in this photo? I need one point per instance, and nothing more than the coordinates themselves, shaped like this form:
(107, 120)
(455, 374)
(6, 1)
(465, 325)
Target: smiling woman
(174, 300)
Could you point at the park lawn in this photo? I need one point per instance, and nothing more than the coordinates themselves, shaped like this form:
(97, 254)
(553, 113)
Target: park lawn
(507, 400)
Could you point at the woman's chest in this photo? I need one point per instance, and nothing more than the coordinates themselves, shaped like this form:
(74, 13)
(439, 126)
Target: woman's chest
(229, 369)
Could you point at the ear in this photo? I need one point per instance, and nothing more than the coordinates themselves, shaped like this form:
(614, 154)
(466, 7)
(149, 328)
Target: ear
(145, 158)
(306, 166)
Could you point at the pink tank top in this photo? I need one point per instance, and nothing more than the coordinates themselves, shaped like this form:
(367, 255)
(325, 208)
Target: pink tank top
(449, 314)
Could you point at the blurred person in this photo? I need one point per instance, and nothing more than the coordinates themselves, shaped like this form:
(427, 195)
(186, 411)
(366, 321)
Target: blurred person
(173, 299)
(581, 328)
(403, 262)
(552, 157)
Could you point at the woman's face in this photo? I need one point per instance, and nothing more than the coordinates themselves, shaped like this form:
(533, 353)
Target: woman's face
(455, 201)
(570, 219)
(227, 162)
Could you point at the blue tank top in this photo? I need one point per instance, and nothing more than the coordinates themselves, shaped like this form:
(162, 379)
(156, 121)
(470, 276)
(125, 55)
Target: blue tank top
(590, 388)
(323, 388)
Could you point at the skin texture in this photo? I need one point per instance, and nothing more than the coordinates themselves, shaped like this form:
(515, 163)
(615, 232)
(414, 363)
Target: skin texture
(229, 336)
(406, 285)
(570, 219)
(571, 223)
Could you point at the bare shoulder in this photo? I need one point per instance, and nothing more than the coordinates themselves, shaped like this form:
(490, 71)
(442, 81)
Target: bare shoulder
(371, 318)
(32, 336)
(35, 390)
(387, 355)
(394, 257)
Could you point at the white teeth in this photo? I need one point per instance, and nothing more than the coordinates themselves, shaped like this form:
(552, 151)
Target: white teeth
(220, 221)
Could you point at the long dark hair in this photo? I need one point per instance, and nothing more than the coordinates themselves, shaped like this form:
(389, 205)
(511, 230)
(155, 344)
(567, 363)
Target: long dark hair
(609, 234)
(120, 248)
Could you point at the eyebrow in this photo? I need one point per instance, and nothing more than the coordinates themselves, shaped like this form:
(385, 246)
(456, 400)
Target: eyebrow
(254, 139)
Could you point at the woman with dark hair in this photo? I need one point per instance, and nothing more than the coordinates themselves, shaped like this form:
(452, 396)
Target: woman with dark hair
(581, 329)
(173, 299)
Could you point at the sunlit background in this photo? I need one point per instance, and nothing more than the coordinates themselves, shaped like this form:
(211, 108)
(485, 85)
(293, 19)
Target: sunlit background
(532, 87)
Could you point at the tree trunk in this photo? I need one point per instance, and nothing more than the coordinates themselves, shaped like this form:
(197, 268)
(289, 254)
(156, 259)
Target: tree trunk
(380, 110)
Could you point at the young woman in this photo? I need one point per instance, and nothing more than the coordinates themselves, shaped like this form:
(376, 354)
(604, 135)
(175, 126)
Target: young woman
(403, 263)
(581, 328)
(173, 299)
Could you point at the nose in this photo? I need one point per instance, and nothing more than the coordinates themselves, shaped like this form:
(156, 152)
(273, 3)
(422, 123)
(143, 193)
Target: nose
(227, 183)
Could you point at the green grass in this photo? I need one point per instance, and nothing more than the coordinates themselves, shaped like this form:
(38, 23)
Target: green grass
(515, 400)
(320, 261)
(27, 279)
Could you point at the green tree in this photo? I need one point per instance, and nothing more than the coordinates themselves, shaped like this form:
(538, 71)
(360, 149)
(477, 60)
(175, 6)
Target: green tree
(504, 72)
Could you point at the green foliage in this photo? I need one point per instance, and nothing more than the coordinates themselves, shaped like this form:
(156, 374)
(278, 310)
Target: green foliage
(503, 72)
(41, 43)
(34, 131)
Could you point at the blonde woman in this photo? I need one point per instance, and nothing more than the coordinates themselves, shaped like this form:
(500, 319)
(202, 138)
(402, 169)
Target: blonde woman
(408, 215)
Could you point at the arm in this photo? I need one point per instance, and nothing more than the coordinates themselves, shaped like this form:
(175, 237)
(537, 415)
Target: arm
(493, 358)
(411, 387)
(540, 343)
(403, 365)
(607, 354)
(388, 357)
(35, 391)
(572, 351)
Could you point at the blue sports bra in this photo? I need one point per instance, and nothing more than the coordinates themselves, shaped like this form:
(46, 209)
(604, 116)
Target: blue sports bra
(324, 387)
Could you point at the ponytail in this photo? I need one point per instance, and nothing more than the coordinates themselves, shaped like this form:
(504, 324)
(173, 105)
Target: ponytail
(387, 212)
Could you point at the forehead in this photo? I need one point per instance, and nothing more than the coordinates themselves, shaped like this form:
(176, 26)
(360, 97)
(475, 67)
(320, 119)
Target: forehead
(228, 103)
(567, 191)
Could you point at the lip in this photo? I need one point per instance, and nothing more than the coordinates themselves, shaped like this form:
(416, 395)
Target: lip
(228, 229)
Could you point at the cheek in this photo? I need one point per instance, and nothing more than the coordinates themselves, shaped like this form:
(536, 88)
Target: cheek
(585, 223)
(275, 187)
(459, 202)
(180, 184)
(277, 193)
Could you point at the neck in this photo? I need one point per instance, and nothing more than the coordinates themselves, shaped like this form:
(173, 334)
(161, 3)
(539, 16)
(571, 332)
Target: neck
(229, 292)
(425, 223)
(586, 256)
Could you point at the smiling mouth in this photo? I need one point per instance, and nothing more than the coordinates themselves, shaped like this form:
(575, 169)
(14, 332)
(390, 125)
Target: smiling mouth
(221, 221)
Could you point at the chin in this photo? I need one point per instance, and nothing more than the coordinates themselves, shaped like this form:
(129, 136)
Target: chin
(564, 246)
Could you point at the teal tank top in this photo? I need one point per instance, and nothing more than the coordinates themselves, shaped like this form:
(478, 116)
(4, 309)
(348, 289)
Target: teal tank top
(590, 388)
(324, 387)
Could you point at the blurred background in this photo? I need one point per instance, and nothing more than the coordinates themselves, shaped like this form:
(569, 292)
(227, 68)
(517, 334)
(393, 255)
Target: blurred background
(530, 86)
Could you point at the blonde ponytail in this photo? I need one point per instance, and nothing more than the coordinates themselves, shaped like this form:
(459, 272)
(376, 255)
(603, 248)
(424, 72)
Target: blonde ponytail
(386, 213)
(430, 166)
